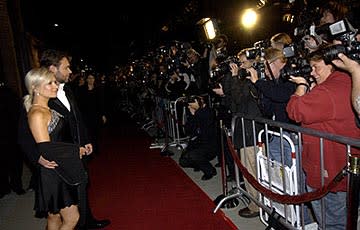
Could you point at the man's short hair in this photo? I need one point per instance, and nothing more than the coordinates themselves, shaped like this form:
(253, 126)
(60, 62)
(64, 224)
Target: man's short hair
(53, 57)
(272, 54)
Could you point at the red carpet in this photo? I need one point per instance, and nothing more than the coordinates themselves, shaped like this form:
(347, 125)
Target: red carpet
(136, 188)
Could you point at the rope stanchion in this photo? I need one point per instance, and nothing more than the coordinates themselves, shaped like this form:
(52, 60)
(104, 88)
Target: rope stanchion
(223, 200)
(285, 199)
(353, 199)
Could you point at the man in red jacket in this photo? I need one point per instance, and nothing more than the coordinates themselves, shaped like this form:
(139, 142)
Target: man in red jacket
(326, 107)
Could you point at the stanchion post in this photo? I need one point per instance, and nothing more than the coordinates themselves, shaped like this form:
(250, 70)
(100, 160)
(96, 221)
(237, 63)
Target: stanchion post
(224, 200)
(353, 192)
(223, 163)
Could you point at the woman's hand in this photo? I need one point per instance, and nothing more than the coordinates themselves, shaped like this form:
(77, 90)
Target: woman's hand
(88, 149)
(82, 152)
(47, 164)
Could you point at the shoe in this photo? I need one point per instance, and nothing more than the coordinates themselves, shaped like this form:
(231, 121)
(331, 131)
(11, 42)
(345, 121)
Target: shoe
(208, 176)
(196, 169)
(96, 224)
(247, 213)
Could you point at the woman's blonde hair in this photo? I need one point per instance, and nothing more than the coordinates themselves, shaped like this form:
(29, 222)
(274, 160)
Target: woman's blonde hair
(33, 79)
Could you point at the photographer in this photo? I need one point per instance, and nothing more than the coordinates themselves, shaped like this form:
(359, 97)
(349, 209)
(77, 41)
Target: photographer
(198, 70)
(325, 108)
(202, 147)
(332, 11)
(240, 98)
(245, 103)
(275, 93)
(176, 85)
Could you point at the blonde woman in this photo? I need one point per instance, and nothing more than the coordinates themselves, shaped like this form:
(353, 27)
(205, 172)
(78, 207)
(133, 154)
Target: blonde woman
(56, 196)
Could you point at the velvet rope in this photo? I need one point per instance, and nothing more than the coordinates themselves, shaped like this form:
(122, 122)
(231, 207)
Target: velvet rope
(285, 199)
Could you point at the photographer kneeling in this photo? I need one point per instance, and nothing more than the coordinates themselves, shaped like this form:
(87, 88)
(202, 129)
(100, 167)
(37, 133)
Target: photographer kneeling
(201, 126)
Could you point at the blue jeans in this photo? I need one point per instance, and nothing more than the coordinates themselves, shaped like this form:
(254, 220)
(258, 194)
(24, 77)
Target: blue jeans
(275, 150)
(335, 210)
(275, 154)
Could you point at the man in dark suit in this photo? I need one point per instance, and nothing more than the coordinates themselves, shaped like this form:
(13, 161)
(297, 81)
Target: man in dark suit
(74, 130)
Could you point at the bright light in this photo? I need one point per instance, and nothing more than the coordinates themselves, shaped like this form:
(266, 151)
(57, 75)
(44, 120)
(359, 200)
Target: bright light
(209, 29)
(248, 19)
(209, 26)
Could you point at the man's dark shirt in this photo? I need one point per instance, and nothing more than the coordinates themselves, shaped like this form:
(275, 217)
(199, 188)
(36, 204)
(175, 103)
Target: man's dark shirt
(275, 96)
(202, 125)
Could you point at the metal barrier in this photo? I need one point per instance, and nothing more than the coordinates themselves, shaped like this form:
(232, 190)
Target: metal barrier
(280, 178)
(168, 120)
(293, 218)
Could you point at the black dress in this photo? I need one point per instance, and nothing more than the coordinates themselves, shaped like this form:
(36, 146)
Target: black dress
(53, 193)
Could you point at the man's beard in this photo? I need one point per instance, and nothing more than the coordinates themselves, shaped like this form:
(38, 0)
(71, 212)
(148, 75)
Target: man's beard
(61, 78)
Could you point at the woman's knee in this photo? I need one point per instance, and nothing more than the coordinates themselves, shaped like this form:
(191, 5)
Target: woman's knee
(70, 215)
(53, 221)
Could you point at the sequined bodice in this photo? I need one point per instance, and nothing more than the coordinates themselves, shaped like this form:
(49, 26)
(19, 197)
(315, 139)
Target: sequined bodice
(55, 125)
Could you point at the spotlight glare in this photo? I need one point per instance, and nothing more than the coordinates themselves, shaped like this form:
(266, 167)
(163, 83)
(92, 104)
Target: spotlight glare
(249, 18)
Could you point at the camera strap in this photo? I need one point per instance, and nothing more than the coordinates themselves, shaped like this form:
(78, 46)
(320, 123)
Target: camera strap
(270, 71)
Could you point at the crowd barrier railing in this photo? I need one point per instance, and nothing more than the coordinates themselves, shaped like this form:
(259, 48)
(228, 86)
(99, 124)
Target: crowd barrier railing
(284, 204)
(170, 117)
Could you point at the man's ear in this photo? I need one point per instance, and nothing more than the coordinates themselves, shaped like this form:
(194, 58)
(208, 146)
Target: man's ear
(53, 68)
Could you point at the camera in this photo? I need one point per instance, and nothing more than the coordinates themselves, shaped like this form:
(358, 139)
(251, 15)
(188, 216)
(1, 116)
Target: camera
(193, 99)
(257, 50)
(340, 30)
(303, 71)
(243, 73)
(352, 51)
(290, 50)
(252, 53)
(223, 67)
(304, 30)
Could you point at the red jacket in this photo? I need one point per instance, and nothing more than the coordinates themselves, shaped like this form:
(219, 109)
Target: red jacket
(327, 107)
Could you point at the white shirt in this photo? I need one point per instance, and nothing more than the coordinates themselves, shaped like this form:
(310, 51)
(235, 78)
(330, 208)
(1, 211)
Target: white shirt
(62, 97)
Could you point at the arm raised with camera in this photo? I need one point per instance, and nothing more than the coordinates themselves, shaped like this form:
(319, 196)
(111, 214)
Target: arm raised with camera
(353, 68)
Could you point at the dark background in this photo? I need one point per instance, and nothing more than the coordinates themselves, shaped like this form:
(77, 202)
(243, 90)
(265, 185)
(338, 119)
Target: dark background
(108, 33)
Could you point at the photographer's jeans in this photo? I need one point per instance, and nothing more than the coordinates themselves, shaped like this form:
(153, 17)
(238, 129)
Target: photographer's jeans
(275, 154)
(275, 150)
(335, 210)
